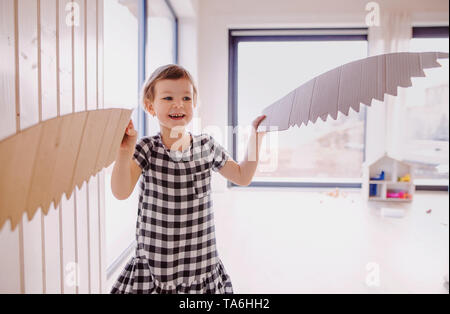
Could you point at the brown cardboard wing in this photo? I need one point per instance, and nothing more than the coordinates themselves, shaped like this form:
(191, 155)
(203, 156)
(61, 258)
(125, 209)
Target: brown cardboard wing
(347, 86)
(40, 164)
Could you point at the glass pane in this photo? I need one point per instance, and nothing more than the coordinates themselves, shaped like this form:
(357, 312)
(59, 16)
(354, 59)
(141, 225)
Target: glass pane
(160, 44)
(331, 151)
(121, 54)
(426, 137)
(121, 91)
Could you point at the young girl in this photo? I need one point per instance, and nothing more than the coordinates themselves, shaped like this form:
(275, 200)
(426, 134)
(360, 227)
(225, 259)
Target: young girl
(176, 246)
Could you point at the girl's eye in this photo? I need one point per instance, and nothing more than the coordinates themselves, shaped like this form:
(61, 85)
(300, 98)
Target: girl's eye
(185, 98)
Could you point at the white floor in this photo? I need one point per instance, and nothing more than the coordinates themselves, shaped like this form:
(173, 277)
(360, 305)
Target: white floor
(294, 241)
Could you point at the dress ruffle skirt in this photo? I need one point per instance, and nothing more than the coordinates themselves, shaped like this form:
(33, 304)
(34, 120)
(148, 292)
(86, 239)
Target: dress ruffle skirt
(137, 278)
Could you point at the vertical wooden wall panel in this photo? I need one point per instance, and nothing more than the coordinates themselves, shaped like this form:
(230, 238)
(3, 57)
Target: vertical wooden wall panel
(65, 58)
(29, 115)
(102, 232)
(100, 50)
(91, 54)
(83, 227)
(69, 267)
(67, 13)
(49, 103)
(79, 58)
(10, 261)
(33, 252)
(7, 73)
(48, 59)
(9, 240)
(28, 63)
(52, 252)
(92, 81)
(94, 244)
(81, 105)
(82, 239)
(101, 175)
(50, 68)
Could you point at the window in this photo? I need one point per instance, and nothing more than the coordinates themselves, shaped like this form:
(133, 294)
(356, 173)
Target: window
(267, 67)
(426, 129)
(161, 43)
(121, 87)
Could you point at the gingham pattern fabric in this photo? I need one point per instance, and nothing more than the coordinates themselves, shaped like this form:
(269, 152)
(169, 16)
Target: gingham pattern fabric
(176, 245)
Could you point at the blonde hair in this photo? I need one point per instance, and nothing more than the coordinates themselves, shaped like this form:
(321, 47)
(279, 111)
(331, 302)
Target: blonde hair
(165, 72)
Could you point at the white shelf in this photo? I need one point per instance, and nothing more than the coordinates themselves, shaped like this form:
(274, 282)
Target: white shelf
(398, 199)
(389, 182)
(393, 169)
(382, 199)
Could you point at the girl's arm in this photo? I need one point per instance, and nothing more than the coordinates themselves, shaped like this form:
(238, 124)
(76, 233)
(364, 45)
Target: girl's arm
(242, 173)
(125, 172)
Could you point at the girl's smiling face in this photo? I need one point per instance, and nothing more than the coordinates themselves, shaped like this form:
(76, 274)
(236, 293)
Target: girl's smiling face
(173, 102)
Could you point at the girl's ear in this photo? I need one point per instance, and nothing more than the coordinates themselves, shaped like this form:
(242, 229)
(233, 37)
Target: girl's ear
(149, 107)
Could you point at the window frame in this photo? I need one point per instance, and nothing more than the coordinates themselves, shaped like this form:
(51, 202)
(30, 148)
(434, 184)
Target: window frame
(431, 32)
(176, 34)
(237, 35)
(143, 28)
(142, 22)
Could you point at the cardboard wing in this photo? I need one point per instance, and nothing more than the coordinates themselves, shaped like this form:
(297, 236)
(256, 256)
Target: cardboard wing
(40, 164)
(349, 85)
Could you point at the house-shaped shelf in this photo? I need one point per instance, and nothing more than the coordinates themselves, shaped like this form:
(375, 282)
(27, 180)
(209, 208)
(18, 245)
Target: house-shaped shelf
(388, 179)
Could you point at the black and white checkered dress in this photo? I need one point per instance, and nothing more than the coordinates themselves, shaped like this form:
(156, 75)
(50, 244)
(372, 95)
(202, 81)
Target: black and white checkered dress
(176, 245)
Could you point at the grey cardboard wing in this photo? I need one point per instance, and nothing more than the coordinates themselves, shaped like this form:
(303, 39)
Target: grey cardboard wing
(348, 86)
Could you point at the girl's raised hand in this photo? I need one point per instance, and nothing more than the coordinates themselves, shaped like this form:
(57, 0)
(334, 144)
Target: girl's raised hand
(256, 124)
(129, 138)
